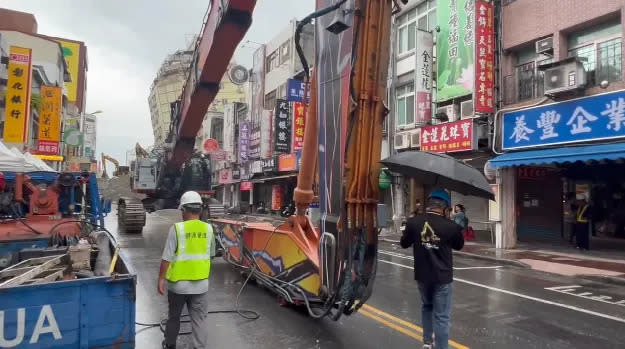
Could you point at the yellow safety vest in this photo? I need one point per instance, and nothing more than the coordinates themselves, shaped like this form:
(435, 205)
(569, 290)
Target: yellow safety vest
(192, 260)
(581, 211)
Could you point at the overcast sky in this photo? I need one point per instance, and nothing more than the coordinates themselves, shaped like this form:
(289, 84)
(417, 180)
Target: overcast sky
(127, 41)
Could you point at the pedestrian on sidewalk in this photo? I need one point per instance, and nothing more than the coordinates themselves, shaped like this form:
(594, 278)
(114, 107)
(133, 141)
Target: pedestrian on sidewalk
(570, 208)
(581, 222)
(433, 236)
(460, 216)
(185, 268)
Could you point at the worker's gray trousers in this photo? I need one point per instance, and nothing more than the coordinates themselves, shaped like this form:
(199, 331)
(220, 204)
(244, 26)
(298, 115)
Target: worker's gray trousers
(197, 305)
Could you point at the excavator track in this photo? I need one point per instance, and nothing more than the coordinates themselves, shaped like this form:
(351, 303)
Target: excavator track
(130, 215)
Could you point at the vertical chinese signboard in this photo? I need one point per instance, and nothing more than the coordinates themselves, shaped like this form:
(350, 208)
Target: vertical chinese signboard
(276, 197)
(50, 120)
(454, 49)
(244, 139)
(71, 53)
(484, 56)
(423, 78)
(299, 122)
(18, 95)
(282, 136)
(448, 137)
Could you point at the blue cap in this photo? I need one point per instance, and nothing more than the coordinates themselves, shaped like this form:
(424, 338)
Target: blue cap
(442, 195)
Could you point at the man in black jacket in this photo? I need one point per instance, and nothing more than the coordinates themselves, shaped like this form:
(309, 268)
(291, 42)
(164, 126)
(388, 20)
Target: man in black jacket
(433, 236)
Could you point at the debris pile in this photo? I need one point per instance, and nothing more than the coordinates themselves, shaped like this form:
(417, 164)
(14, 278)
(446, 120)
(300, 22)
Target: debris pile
(116, 187)
(89, 257)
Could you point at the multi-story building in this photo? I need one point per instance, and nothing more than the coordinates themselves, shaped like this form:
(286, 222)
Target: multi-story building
(166, 89)
(561, 125)
(431, 103)
(275, 65)
(56, 62)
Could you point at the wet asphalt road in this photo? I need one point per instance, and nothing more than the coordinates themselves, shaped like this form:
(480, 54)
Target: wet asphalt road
(494, 306)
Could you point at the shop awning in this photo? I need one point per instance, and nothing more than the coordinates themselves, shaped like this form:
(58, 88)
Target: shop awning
(560, 155)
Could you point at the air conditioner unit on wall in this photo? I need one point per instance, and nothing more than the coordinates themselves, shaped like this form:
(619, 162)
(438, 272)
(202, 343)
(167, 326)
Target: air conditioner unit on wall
(564, 76)
(545, 45)
(466, 109)
(402, 141)
(415, 138)
(447, 113)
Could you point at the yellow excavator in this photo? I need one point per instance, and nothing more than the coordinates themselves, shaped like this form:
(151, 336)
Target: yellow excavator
(119, 170)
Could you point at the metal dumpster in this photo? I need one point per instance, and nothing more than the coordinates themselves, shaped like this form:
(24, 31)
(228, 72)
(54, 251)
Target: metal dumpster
(95, 312)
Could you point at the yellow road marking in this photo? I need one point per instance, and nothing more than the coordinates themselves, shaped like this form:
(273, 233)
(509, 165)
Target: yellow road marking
(371, 312)
(387, 323)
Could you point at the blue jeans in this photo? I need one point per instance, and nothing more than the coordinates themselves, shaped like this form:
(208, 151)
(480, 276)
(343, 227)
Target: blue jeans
(435, 310)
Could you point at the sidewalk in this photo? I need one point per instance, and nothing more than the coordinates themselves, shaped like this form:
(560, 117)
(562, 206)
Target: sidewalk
(602, 265)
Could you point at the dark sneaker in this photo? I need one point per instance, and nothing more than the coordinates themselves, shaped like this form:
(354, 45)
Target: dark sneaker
(165, 346)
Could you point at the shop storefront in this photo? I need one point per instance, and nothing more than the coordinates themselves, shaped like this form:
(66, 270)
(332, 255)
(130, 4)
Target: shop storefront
(556, 152)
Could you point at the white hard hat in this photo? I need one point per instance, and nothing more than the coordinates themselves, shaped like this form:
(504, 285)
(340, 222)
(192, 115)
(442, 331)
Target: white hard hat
(190, 197)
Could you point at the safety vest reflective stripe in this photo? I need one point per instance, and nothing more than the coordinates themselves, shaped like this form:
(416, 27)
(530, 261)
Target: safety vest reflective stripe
(192, 258)
(580, 214)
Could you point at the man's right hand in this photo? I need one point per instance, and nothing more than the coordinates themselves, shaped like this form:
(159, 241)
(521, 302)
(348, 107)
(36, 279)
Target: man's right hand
(161, 286)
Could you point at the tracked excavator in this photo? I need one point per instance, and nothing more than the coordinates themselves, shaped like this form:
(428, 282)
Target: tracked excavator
(327, 266)
(119, 170)
(163, 174)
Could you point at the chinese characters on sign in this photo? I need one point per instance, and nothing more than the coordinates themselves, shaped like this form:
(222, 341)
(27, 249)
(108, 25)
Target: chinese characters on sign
(287, 162)
(47, 147)
(219, 155)
(50, 120)
(244, 141)
(423, 77)
(282, 139)
(580, 120)
(448, 137)
(455, 51)
(254, 144)
(485, 57)
(299, 122)
(225, 176)
(246, 186)
(276, 197)
(17, 106)
(296, 90)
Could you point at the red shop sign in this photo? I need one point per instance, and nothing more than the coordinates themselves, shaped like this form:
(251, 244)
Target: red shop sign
(246, 186)
(47, 147)
(484, 57)
(448, 137)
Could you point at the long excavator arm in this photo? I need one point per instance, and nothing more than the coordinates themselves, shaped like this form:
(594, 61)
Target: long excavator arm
(111, 160)
(224, 27)
(330, 267)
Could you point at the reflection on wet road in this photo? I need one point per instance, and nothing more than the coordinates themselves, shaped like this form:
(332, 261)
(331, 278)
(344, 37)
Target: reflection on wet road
(494, 306)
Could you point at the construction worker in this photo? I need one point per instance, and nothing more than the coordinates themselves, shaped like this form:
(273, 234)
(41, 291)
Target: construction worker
(432, 235)
(185, 268)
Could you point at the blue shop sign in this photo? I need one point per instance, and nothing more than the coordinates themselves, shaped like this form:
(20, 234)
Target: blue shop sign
(593, 118)
(295, 91)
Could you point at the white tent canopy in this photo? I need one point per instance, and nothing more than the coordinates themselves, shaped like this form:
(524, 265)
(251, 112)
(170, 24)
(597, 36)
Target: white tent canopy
(12, 160)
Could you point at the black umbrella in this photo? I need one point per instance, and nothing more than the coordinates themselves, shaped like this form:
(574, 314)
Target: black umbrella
(442, 171)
